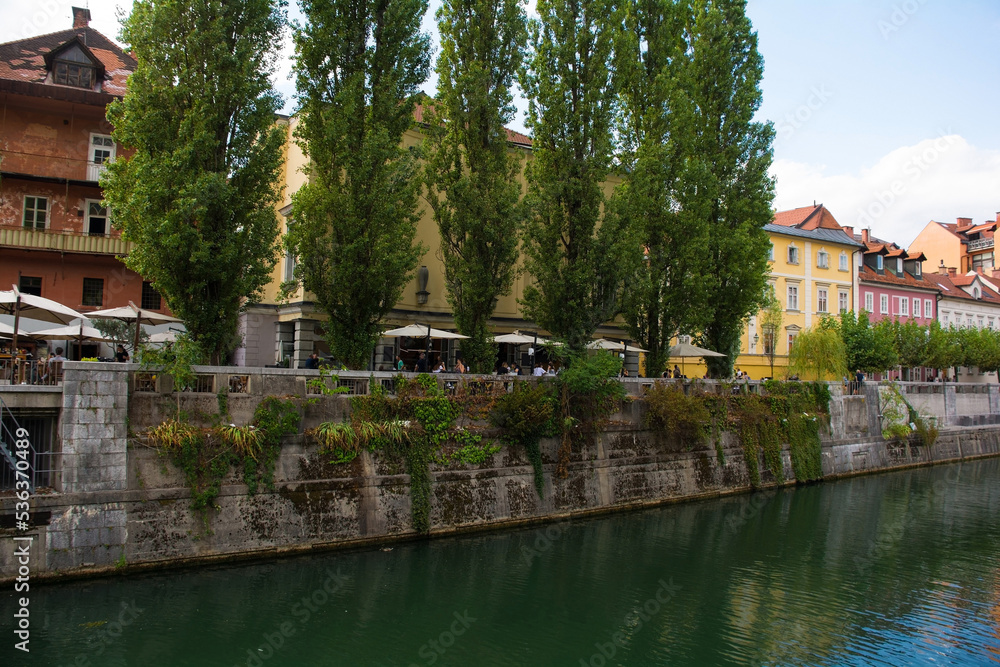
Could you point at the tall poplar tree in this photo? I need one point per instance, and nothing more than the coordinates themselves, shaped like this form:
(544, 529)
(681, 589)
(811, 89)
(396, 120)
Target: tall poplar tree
(669, 294)
(197, 195)
(358, 65)
(471, 172)
(735, 151)
(577, 250)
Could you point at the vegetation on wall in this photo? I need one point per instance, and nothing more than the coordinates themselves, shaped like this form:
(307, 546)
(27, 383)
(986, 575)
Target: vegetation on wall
(524, 416)
(206, 455)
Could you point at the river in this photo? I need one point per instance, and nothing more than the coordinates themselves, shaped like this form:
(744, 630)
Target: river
(893, 569)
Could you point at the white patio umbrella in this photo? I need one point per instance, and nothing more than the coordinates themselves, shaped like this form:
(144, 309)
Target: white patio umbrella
(73, 332)
(132, 313)
(33, 307)
(165, 337)
(616, 346)
(420, 331)
(686, 350)
(7, 331)
(518, 338)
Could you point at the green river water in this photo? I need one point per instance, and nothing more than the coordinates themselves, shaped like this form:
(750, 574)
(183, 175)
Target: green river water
(894, 569)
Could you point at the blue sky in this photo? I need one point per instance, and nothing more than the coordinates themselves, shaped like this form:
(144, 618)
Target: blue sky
(885, 111)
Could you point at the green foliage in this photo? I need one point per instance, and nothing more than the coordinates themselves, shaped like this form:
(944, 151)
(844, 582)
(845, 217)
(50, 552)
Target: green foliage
(758, 429)
(526, 415)
(722, 74)
(357, 66)
(176, 360)
(578, 251)
(927, 431)
(206, 455)
(870, 349)
(771, 317)
(592, 381)
(197, 191)
(470, 173)
(326, 383)
(685, 417)
(819, 352)
(661, 184)
(470, 451)
(437, 415)
(120, 333)
(895, 413)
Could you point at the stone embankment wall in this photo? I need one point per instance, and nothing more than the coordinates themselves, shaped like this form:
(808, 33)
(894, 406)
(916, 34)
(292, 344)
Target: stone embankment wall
(119, 502)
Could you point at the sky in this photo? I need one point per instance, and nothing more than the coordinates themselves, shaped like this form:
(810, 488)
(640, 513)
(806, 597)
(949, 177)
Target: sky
(884, 110)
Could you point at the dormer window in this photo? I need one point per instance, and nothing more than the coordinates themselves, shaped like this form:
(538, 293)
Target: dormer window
(916, 269)
(72, 67)
(975, 292)
(879, 263)
(899, 266)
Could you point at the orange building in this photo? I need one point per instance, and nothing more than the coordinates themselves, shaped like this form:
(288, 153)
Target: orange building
(56, 238)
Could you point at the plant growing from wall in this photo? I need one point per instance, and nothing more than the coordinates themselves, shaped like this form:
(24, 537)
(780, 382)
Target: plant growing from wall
(685, 417)
(524, 416)
(895, 413)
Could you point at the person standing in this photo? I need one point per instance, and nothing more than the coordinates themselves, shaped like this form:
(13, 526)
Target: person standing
(421, 366)
(313, 361)
(121, 356)
(398, 365)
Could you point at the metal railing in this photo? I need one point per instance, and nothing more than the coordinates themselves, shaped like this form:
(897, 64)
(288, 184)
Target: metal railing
(30, 371)
(36, 461)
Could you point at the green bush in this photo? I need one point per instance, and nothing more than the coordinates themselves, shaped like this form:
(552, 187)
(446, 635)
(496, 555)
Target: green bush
(671, 410)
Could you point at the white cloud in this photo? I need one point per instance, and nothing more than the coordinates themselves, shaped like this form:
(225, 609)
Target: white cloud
(937, 179)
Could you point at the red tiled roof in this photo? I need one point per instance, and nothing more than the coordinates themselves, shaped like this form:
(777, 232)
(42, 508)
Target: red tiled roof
(951, 288)
(794, 217)
(985, 227)
(867, 275)
(24, 59)
(512, 136)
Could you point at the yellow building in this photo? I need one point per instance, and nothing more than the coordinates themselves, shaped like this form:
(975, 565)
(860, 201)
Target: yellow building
(814, 273)
(276, 330)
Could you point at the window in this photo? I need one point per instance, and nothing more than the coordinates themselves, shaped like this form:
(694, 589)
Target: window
(944, 319)
(928, 308)
(93, 292)
(67, 73)
(980, 321)
(843, 261)
(904, 306)
(36, 212)
(793, 255)
(989, 323)
(884, 304)
(917, 269)
(97, 219)
(791, 341)
(770, 253)
(102, 151)
(150, 297)
(916, 308)
(869, 302)
(289, 267)
(821, 297)
(769, 343)
(793, 297)
(30, 285)
(842, 302)
(823, 259)
(975, 292)
(899, 266)
(983, 261)
(878, 263)
(968, 322)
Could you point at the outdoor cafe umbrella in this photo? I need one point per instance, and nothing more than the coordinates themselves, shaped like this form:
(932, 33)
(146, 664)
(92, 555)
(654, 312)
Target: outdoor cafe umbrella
(421, 331)
(7, 331)
(74, 332)
(601, 344)
(685, 350)
(165, 337)
(132, 313)
(14, 302)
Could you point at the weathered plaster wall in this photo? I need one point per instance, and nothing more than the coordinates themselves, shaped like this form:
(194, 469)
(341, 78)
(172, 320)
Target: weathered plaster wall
(121, 501)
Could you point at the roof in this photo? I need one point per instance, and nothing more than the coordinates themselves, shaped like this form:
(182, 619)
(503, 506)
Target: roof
(794, 217)
(512, 136)
(24, 59)
(867, 275)
(950, 288)
(827, 235)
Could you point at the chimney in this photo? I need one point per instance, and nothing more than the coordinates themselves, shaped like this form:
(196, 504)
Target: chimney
(996, 274)
(81, 17)
(964, 222)
(952, 271)
(864, 236)
(998, 216)
(850, 230)
(942, 270)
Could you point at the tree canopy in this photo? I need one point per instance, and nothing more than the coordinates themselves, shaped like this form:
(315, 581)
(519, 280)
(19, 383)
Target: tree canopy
(358, 65)
(196, 193)
(471, 173)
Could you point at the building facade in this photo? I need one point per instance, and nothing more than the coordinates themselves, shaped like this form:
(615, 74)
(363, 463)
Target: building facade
(962, 244)
(967, 300)
(814, 268)
(56, 238)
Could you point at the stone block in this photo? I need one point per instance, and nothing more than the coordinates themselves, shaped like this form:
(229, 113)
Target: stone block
(86, 537)
(91, 416)
(58, 539)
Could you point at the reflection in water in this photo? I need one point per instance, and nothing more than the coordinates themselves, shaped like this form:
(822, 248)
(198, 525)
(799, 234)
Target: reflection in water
(895, 569)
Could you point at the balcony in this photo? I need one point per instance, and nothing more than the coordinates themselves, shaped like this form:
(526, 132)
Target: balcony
(980, 244)
(62, 241)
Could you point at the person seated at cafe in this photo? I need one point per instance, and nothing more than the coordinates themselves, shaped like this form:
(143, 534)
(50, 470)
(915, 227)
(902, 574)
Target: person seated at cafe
(313, 361)
(503, 369)
(421, 365)
(58, 356)
(539, 371)
(439, 367)
(121, 356)
(460, 366)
